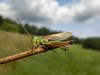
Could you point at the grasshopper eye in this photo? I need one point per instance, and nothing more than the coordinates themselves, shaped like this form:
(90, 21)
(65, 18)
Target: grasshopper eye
(32, 36)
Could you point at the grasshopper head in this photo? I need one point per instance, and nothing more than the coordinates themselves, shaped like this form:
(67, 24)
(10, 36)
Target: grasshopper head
(31, 38)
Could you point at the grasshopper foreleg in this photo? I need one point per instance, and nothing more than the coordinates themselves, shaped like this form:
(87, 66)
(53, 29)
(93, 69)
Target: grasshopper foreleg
(34, 48)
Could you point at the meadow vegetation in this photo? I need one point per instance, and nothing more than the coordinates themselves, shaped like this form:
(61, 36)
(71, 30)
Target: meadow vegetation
(76, 61)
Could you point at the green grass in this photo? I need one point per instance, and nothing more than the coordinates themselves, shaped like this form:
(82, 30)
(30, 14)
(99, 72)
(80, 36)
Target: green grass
(11, 27)
(76, 61)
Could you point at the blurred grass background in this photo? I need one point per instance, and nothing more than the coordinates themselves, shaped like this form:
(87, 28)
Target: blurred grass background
(76, 61)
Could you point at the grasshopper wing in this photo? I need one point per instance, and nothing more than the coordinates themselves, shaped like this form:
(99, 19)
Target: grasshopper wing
(58, 36)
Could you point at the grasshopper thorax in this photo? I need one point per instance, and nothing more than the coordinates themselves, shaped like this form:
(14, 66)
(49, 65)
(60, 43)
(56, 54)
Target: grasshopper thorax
(37, 40)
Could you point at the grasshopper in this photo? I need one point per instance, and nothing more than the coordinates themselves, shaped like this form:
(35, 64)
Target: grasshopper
(48, 40)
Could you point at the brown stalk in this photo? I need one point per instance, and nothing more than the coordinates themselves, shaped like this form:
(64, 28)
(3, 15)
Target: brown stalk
(22, 55)
(30, 52)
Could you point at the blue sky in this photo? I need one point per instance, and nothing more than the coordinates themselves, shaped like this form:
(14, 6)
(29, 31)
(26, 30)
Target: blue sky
(81, 17)
(81, 30)
(63, 2)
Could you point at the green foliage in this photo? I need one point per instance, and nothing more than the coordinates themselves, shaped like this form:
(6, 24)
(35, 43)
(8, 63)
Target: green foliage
(9, 25)
(1, 20)
(76, 61)
(12, 27)
(93, 43)
(27, 27)
(31, 29)
(21, 30)
(10, 21)
(43, 31)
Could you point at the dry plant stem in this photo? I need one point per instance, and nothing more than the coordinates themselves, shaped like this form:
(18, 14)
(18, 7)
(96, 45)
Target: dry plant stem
(22, 55)
(36, 51)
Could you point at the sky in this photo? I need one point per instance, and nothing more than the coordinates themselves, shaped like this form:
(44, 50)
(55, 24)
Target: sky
(81, 17)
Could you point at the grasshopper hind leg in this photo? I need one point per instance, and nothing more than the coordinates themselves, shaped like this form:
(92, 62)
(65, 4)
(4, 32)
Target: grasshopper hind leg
(47, 49)
(54, 51)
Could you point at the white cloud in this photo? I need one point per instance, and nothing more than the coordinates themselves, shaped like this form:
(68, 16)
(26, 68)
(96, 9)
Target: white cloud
(49, 11)
(85, 10)
(5, 11)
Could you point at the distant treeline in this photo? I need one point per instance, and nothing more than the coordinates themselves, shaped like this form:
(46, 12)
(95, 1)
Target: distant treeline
(9, 25)
(93, 43)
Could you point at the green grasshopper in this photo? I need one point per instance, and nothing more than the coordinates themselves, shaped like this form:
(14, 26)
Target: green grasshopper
(46, 40)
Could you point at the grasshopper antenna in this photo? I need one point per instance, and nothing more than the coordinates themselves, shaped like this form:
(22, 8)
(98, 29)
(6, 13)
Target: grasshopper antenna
(23, 26)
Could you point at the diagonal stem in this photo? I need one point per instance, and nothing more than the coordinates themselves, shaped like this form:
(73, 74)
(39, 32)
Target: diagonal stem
(22, 55)
(30, 52)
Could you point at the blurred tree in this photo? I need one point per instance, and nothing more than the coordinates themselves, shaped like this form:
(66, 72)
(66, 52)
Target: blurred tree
(76, 40)
(43, 31)
(93, 43)
(33, 30)
(1, 20)
(27, 27)
(21, 30)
